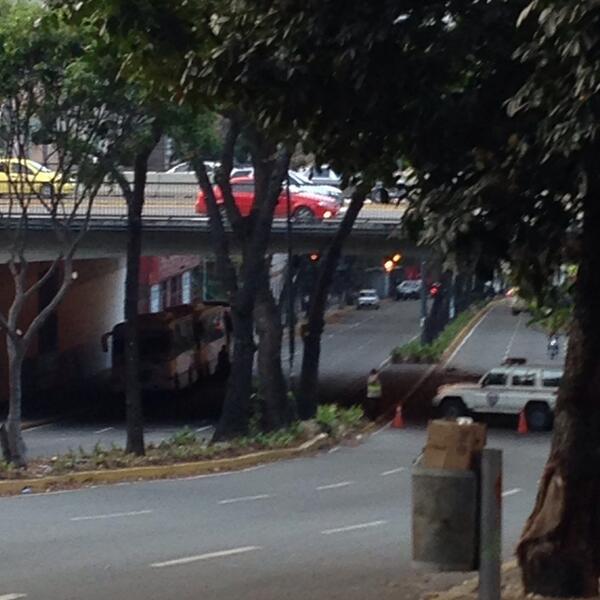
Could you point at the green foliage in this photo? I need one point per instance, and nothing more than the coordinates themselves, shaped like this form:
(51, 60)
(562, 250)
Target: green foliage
(184, 437)
(337, 421)
(415, 352)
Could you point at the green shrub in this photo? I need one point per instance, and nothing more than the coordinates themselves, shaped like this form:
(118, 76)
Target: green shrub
(326, 418)
(183, 437)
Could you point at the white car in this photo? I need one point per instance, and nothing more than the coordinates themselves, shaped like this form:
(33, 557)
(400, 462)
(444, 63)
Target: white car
(410, 288)
(505, 390)
(367, 299)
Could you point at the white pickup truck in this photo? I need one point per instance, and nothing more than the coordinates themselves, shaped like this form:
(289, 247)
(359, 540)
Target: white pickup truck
(505, 390)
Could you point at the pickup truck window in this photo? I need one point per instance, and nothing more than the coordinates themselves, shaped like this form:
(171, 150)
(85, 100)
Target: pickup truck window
(494, 379)
(524, 379)
(551, 379)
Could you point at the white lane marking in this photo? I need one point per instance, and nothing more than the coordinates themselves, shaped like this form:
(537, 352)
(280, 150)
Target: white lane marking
(333, 486)
(353, 527)
(514, 335)
(466, 339)
(190, 559)
(33, 429)
(133, 513)
(12, 596)
(392, 471)
(104, 430)
(511, 492)
(244, 499)
(206, 428)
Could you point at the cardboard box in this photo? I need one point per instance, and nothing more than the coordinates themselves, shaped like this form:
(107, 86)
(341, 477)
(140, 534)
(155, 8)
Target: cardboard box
(451, 445)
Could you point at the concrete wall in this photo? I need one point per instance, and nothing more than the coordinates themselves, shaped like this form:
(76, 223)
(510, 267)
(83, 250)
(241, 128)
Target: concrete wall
(92, 306)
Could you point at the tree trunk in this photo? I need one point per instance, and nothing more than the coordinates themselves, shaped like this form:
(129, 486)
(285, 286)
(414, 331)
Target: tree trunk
(271, 381)
(236, 406)
(133, 391)
(309, 375)
(559, 551)
(12, 442)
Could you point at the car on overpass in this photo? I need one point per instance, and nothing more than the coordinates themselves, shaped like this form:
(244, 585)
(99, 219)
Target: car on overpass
(25, 177)
(298, 183)
(306, 207)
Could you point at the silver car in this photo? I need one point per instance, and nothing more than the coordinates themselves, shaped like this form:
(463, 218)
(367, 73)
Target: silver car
(367, 299)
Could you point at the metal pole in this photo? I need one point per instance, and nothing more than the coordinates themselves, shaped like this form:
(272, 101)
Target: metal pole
(290, 285)
(423, 292)
(490, 526)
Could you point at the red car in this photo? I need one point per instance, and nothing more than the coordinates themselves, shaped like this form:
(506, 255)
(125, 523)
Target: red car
(306, 206)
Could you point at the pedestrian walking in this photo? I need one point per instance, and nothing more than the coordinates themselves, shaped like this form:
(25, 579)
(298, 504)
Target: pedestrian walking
(373, 394)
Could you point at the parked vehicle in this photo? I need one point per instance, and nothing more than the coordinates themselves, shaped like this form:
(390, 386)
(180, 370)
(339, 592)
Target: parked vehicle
(298, 183)
(28, 177)
(306, 207)
(505, 390)
(322, 175)
(409, 289)
(186, 167)
(178, 346)
(367, 299)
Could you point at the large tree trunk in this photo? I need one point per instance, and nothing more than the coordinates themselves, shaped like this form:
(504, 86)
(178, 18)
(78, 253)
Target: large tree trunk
(133, 391)
(559, 551)
(309, 375)
(271, 381)
(236, 407)
(12, 442)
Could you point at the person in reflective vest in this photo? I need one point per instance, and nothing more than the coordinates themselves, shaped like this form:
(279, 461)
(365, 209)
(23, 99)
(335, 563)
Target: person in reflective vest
(373, 394)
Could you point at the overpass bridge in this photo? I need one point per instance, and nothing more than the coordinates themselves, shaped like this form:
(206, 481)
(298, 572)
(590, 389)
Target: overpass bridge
(172, 227)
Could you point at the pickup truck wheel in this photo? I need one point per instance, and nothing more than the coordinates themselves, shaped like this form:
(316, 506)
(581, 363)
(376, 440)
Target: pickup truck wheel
(452, 408)
(539, 416)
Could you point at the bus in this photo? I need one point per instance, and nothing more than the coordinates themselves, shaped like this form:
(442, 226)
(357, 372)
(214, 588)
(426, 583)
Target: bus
(178, 346)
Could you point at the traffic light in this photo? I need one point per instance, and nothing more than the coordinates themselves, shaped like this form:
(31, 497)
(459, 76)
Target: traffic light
(314, 257)
(389, 265)
(434, 290)
(397, 257)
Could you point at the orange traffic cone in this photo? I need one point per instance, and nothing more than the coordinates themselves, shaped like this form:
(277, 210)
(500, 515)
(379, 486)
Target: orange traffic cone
(522, 428)
(398, 422)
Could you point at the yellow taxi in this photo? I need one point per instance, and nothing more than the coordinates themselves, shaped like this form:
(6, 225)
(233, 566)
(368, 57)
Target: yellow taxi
(24, 176)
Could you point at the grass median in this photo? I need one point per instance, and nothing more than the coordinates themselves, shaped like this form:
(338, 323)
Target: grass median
(332, 425)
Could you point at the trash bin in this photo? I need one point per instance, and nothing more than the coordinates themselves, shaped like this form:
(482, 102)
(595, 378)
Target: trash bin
(445, 519)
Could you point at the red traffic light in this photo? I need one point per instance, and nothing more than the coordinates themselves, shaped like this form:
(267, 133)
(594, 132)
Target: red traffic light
(314, 257)
(434, 290)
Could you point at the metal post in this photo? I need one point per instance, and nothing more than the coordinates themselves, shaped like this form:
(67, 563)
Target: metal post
(424, 291)
(290, 286)
(490, 527)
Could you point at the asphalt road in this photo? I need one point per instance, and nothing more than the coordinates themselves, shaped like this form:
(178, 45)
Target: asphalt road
(499, 335)
(333, 526)
(358, 341)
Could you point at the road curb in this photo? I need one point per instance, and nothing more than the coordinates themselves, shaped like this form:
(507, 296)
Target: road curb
(11, 487)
